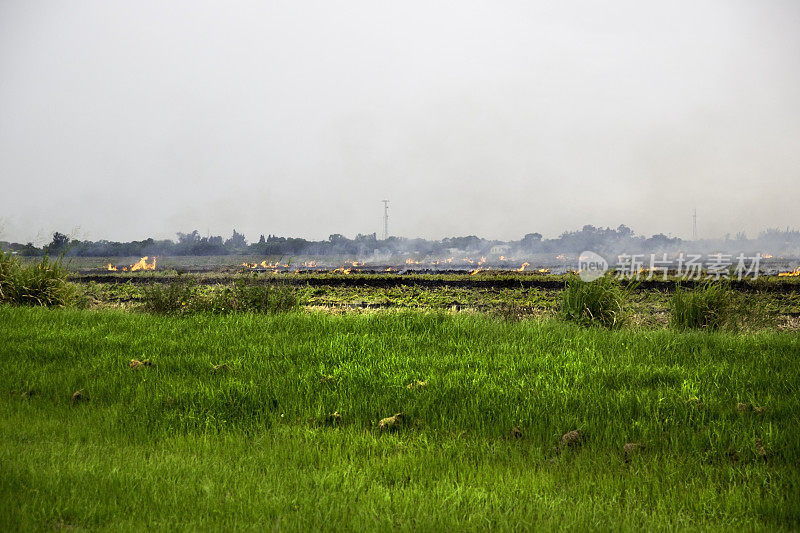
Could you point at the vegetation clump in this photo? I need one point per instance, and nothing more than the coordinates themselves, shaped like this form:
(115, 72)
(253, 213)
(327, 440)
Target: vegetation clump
(183, 297)
(629, 448)
(711, 306)
(77, 397)
(601, 302)
(136, 363)
(169, 298)
(249, 295)
(43, 283)
(571, 439)
(391, 423)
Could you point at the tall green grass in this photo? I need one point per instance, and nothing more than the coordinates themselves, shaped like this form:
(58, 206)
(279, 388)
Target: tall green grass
(183, 296)
(226, 430)
(711, 306)
(602, 302)
(43, 283)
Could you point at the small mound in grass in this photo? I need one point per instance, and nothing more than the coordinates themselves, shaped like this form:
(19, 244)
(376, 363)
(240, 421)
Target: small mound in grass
(571, 439)
(760, 451)
(732, 454)
(333, 418)
(77, 397)
(629, 448)
(391, 423)
(135, 364)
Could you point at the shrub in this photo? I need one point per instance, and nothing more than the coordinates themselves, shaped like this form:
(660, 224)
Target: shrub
(601, 302)
(711, 306)
(43, 283)
(257, 297)
(7, 266)
(170, 298)
(182, 296)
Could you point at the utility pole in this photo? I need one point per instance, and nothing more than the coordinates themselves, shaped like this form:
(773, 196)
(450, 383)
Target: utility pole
(385, 219)
(694, 225)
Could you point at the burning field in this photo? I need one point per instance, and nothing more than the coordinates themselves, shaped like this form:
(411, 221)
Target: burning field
(141, 264)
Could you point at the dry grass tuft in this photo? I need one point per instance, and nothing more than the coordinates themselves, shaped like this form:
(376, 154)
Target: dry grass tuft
(571, 439)
(760, 451)
(744, 408)
(629, 448)
(136, 364)
(732, 454)
(221, 368)
(417, 384)
(391, 423)
(333, 418)
(78, 396)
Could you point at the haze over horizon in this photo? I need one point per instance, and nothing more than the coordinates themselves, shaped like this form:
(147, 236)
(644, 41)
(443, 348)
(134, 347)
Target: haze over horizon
(140, 120)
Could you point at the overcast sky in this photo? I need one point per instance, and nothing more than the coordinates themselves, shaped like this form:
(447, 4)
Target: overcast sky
(123, 120)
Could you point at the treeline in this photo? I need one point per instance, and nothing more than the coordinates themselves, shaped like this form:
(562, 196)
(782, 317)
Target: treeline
(602, 240)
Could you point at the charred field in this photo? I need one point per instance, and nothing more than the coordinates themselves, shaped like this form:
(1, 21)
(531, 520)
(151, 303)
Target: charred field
(355, 287)
(387, 400)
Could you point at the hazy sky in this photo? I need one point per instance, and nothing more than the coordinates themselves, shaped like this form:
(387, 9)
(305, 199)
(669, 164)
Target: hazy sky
(123, 120)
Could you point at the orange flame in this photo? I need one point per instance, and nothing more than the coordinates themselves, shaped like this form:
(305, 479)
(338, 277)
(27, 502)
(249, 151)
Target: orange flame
(522, 268)
(792, 274)
(766, 256)
(142, 264)
(544, 271)
(264, 264)
(502, 258)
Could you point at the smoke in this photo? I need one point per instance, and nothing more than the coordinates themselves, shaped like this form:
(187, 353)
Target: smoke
(476, 119)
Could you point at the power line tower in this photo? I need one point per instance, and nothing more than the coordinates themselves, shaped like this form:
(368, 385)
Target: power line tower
(694, 225)
(385, 219)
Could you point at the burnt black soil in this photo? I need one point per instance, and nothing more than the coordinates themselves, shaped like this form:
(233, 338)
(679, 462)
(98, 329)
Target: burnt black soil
(383, 280)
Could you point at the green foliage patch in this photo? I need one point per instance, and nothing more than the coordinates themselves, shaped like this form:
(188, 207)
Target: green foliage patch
(183, 296)
(714, 306)
(41, 283)
(602, 302)
(247, 420)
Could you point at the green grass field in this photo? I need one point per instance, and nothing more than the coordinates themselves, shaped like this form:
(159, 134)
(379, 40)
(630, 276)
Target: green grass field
(251, 444)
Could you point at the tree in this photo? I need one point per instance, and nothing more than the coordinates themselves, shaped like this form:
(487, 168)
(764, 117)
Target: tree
(58, 245)
(237, 241)
(531, 240)
(188, 238)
